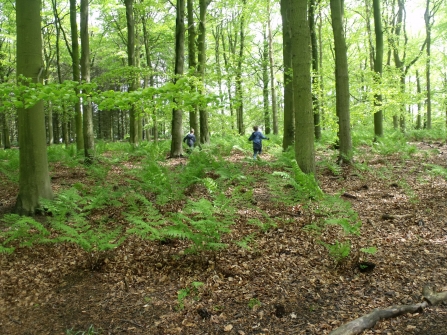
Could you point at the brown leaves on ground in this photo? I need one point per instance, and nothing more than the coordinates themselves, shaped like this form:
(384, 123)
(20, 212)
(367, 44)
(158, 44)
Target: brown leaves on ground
(285, 284)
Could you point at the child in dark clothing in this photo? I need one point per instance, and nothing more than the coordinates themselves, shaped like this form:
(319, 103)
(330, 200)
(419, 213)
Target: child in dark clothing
(257, 138)
(190, 139)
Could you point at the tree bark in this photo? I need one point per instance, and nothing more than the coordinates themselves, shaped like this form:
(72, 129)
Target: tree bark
(301, 62)
(239, 93)
(315, 70)
(289, 111)
(378, 66)
(201, 41)
(133, 119)
(341, 82)
(272, 74)
(76, 73)
(89, 142)
(192, 60)
(34, 178)
(177, 113)
(265, 85)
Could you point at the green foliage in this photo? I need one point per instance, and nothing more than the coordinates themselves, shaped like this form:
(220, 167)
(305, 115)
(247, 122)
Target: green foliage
(245, 242)
(437, 170)
(305, 184)
(185, 292)
(339, 250)
(369, 250)
(90, 331)
(253, 302)
(9, 164)
(200, 223)
(23, 231)
(392, 144)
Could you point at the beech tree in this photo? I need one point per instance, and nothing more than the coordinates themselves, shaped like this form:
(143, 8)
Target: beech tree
(289, 111)
(301, 63)
(177, 113)
(341, 82)
(89, 141)
(34, 179)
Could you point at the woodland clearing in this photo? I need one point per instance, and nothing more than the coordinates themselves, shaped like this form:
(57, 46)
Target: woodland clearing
(281, 282)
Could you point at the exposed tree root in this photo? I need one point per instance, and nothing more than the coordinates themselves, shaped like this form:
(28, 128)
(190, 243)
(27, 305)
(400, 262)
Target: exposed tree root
(369, 320)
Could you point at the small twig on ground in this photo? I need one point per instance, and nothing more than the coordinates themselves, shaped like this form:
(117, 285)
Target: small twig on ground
(132, 322)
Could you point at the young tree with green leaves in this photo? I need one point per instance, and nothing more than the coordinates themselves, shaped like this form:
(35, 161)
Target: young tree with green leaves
(34, 178)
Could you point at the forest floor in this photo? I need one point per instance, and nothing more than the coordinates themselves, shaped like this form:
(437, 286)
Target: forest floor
(284, 284)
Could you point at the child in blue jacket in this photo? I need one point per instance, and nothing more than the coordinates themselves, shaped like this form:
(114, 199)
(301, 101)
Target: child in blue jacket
(190, 139)
(257, 138)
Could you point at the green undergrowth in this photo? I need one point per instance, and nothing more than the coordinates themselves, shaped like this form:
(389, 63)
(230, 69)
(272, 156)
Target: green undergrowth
(195, 200)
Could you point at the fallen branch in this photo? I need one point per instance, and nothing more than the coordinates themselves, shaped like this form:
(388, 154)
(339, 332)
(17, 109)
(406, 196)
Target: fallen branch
(369, 320)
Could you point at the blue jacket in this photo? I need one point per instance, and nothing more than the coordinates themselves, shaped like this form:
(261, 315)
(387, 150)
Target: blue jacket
(190, 139)
(257, 138)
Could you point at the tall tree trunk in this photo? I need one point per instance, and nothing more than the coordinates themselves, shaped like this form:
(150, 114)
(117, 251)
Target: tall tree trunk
(218, 68)
(272, 73)
(133, 119)
(201, 41)
(428, 19)
(34, 178)
(301, 62)
(192, 60)
(378, 66)
(76, 73)
(89, 142)
(228, 76)
(315, 70)
(177, 113)
(341, 82)
(289, 111)
(265, 84)
(239, 93)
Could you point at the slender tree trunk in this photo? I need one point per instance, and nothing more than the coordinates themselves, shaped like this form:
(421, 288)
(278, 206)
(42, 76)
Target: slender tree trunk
(133, 119)
(192, 60)
(201, 41)
(272, 73)
(428, 19)
(301, 62)
(341, 81)
(34, 178)
(315, 70)
(239, 93)
(378, 66)
(177, 113)
(289, 111)
(89, 142)
(76, 73)
(265, 84)
(218, 69)
(228, 77)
